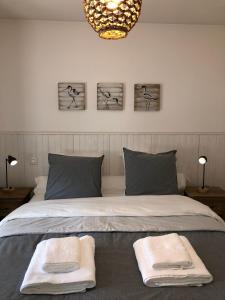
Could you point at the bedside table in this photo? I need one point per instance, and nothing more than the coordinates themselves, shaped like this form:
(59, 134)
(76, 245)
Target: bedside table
(10, 200)
(214, 198)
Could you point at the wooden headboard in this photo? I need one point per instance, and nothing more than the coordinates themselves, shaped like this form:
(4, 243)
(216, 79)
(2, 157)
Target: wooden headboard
(28, 146)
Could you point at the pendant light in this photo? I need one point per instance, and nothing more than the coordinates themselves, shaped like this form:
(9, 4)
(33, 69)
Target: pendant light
(112, 19)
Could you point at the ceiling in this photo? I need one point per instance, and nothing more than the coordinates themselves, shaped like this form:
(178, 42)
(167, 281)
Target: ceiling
(208, 12)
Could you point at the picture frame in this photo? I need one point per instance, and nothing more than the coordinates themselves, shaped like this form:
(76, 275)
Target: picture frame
(71, 96)
(110, 96)
(147, 97)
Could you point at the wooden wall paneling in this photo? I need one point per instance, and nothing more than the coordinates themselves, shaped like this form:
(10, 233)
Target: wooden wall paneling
(139, 142)
(213, 146)
(187, 152)
(117, 142)
(30, 151)
(2, 160)
(42, 154)
(76, 143)
(96, 143)
(189, 146)
(103, 145)
(89, 143)
(60, 143)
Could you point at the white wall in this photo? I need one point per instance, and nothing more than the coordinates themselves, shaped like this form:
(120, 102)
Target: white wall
(188, 61)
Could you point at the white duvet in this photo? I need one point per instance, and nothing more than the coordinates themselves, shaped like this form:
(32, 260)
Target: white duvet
(126, 206)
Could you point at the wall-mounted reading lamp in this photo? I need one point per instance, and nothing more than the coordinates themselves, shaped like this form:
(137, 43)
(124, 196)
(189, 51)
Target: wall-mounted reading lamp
(203, 160)
(12, 161)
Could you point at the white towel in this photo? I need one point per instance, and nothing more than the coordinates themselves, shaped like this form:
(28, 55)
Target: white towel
(167, 251)
(37, 281)
(196, 276)
(61, 255)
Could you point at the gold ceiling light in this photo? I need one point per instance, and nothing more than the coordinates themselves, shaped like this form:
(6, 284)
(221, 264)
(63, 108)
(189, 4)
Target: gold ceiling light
(112, 19)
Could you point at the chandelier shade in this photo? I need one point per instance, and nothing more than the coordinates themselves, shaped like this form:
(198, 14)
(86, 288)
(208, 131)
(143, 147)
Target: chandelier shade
(112, 19)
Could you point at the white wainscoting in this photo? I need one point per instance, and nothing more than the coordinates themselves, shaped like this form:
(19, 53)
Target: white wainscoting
(26, 146)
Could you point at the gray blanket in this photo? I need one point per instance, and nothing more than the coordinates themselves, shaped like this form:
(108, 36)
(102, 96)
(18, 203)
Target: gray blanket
(117, 272)
(112, 224)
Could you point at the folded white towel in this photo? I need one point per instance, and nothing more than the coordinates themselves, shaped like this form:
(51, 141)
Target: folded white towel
(167, 251)
(61, 255)
(195, 276)
(37, 281)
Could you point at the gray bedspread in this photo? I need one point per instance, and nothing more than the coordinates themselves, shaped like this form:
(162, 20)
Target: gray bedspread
(112, 224)
(117, 272)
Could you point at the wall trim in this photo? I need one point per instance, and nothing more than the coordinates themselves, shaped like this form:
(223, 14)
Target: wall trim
(107, 132)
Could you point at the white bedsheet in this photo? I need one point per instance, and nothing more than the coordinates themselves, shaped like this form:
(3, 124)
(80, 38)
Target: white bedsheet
(168, 205)
(112, 193)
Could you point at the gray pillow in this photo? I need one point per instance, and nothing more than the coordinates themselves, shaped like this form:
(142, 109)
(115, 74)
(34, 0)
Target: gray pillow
(150, 174)
(73, 177)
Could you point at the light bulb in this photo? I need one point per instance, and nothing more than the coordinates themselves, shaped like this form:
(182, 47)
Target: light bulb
(14, 162)
(113, 4)
(202, 160)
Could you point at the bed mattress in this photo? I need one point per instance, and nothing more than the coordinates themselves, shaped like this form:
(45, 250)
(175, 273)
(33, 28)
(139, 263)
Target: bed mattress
(114, 228)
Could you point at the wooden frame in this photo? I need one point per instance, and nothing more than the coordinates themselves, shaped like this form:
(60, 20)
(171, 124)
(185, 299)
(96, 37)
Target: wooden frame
(146, 97)
(110, 96)
(71, 96)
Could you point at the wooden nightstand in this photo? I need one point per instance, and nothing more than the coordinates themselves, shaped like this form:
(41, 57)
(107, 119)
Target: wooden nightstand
(214, 198)
(10, 200)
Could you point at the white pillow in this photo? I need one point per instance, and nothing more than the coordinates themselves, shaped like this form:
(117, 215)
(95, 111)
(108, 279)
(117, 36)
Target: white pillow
(41, 184)
(111, 185)
(181, 182)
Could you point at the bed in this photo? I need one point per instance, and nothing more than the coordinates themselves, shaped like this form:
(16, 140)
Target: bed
(152, 206)
(115, 222)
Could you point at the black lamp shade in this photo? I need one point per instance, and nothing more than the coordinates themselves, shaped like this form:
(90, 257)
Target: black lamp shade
(12, 161)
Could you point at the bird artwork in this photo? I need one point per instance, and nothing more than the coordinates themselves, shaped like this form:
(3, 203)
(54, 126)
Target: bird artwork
(71, 96)
(147, 97)
(110, 96)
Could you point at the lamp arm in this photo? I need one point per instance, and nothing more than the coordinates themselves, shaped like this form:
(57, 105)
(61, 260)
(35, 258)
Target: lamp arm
(6, 173)
(203, 178)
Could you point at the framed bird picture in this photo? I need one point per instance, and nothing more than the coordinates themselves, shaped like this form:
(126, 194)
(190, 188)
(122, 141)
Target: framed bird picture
(147, 97)
(110, 96)
(71, 96)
